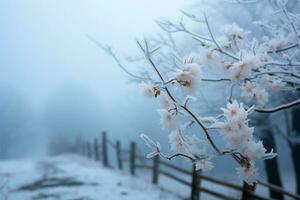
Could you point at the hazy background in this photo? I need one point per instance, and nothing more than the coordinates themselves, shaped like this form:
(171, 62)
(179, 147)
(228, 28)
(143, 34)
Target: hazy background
(54, 81)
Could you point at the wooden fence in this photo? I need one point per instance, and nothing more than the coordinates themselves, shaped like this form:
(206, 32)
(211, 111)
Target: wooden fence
(99, 151)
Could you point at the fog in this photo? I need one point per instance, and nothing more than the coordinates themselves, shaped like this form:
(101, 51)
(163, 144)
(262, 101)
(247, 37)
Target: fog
(55, 82)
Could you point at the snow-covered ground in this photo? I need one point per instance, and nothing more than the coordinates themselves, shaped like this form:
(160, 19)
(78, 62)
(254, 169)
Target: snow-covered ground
(71, 177)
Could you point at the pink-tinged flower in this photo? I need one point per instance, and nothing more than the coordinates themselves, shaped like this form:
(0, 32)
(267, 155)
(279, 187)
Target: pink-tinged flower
(242, 69)
(233, 31)
(176, 142)
(248, 173)
(254, 93)
(209, 57)
(235, 111)
(168, 119)
(204, 164)
(273, 82)
(248, 91)
(261, 96)
(150, 91)
(238, 139)
(165, 101)
(224, 66)
(254, 150)
(275, 44)
(188, 76)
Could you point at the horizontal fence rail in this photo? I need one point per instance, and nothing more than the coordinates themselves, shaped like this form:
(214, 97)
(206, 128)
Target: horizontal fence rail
(99, 152)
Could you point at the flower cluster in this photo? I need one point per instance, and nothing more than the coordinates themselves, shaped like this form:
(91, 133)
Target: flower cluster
(239, 137)
(242, 69)
(249, 68)
(254, 93)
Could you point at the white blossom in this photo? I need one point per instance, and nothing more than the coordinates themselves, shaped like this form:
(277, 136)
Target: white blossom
(176, 142)
(255, 150)
(204, 164)
(273, 83)
(235, 129)
(239, 138)
(261, 96)
(235, 111)
(168, 119)
(209, 57)
(275, 43)
(233, 31)
(248, 173)
(242, 69)
(189, 76)
(149, 90)
(165, 101)
(254, 93)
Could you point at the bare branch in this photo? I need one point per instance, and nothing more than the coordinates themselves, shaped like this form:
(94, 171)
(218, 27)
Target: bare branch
(279, 108)
(108, 49)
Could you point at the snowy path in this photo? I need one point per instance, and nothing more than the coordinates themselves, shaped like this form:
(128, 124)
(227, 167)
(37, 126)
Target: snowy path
(71, 178)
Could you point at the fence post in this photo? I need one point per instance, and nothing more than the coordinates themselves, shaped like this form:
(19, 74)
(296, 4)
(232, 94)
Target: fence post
(246, 188)
(96, 149)
(195, 184)
(104, 149)
(155, 170)
(132, 157)
(119, 158)
(89, 149)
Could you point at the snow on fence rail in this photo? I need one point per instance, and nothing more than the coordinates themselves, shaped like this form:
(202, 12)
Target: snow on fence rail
(99, 151)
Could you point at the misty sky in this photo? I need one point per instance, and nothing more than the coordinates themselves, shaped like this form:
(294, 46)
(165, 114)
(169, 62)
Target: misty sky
(43, 43)
(50, 67)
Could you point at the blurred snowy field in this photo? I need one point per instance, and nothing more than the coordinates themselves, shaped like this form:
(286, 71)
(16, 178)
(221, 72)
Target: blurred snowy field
(71, 177)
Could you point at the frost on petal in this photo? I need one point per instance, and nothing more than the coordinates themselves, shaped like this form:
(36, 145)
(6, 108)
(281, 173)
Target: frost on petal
(242, 69)
(255, 150)
(165, 101)
(273, 82)
(248, 174)
(275, 43)
(254, 93)
(176, 142)
(188, 76)
(208, 57)
(248, 91)
(149, 90)
(168, 119)
(238, 140)
(204, 165)
(233, 31)
(235, 111)
(261, 96)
